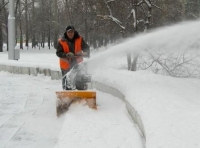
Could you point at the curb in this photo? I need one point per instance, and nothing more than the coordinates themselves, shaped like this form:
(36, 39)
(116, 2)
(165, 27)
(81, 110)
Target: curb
(131, 110)
(55, 75)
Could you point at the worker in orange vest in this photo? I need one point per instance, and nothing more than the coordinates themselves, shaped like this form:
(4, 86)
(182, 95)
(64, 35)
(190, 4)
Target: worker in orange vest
(70, 49)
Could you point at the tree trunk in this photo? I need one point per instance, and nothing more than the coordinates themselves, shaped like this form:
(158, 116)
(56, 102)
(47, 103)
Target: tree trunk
(56, 19)
(134, 63)
(43, 39)
(26, 19)
(148, 17)
(129, 60)
(93, 40)
(183, 3)
(21, 36)
(33, 24)
(49, 26)
(20, 26)
(5, 22)
(86, 23)
(49, 36)
(16, 20)
(1, 36)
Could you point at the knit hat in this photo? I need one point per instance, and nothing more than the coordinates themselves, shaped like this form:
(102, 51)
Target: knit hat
(70, 28)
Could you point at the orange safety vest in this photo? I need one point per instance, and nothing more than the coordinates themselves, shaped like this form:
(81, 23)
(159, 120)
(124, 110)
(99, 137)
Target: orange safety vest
(65, 63)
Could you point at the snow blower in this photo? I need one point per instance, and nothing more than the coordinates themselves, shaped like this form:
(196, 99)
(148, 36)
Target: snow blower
(78, 82)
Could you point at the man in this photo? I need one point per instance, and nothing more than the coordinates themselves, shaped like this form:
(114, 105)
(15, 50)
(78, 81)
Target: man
(71, 49)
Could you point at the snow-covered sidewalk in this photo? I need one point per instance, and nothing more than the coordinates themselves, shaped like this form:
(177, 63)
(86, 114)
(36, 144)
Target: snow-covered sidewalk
(28, 118)
(27, 111)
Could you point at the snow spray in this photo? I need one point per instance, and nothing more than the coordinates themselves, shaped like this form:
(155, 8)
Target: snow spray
(176, 38)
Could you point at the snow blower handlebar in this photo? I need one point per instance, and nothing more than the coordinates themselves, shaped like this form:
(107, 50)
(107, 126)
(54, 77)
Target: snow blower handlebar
(83, 54)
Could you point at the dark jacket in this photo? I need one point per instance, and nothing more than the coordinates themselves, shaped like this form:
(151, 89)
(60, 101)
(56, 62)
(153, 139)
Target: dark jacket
(60, 52)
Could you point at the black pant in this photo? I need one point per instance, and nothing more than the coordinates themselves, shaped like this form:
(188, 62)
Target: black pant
(64, 80)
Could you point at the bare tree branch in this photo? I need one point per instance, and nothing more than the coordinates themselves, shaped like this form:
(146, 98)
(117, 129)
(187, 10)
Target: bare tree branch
(1, 8)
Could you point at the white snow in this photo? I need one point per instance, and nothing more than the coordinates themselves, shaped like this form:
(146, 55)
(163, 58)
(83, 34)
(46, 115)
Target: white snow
(169, 107)
(28, 118)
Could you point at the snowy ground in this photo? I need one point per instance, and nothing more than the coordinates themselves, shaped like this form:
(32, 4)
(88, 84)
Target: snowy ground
(27, 112)
(169, 107)
(28, 118)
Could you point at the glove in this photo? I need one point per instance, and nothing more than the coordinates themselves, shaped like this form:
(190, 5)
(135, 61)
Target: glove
(70, 55)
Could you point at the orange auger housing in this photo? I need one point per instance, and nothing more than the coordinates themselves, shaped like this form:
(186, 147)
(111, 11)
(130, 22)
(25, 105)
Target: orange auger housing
(66, 97)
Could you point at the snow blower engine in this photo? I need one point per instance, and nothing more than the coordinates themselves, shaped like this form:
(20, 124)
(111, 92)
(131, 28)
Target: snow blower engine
(77, 82)
(77, 78)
